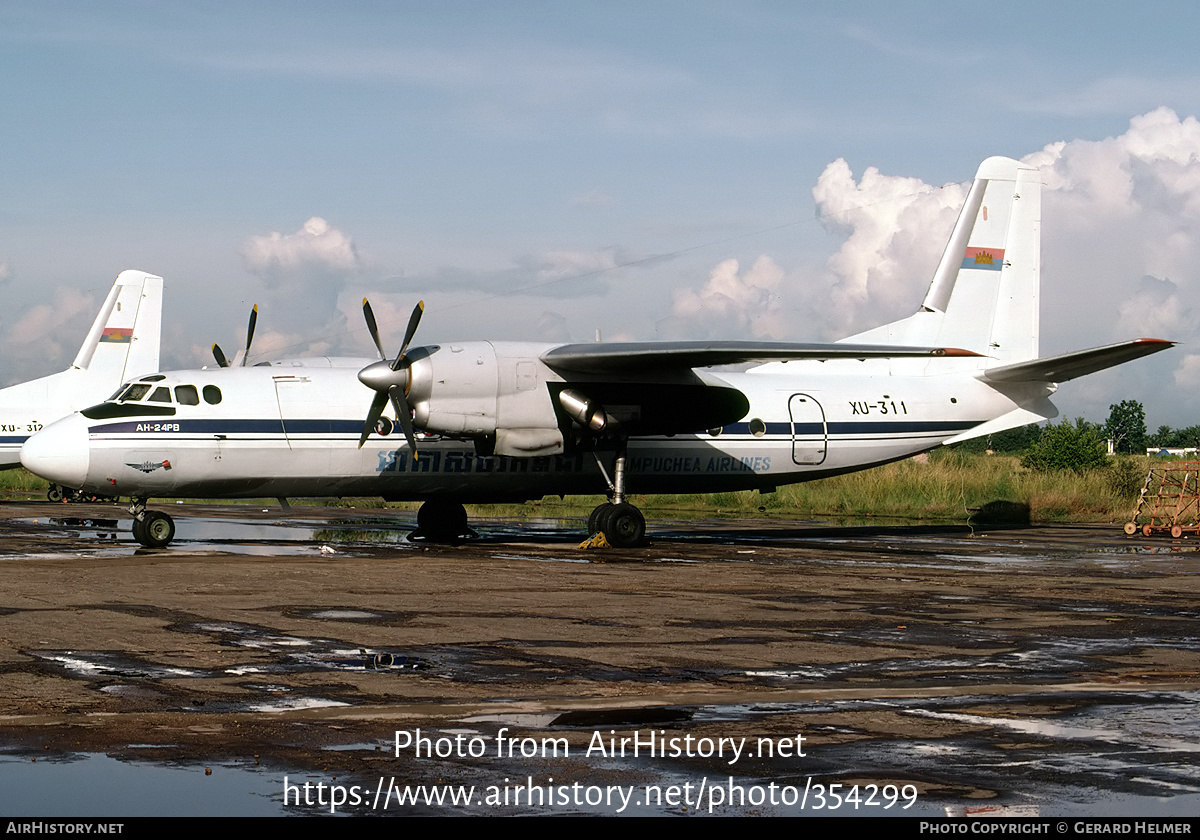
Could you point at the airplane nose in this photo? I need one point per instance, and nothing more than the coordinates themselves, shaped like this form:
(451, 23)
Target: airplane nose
(59, 452)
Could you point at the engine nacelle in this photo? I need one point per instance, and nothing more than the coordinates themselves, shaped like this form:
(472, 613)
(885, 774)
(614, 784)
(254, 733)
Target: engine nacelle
(482, 390)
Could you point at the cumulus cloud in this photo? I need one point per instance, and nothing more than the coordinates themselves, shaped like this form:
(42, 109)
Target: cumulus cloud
(1154, 309)
(47, 335)
(316, 246)
(895, 231)
(731, 304)
(302, 273)
(892, 229)
(1121, 239)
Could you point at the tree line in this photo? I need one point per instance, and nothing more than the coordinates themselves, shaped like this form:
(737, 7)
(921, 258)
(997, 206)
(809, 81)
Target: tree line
(1081, 445)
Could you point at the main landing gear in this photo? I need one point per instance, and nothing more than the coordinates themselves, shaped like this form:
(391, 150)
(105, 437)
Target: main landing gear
(620, 522)
(151, 528)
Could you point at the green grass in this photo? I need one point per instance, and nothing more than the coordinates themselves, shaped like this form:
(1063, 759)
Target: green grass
(21, 482)
(946, 486)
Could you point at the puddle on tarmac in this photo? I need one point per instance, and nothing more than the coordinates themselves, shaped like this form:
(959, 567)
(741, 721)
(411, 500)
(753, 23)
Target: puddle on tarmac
(1131, 755)
(112, 536)
(92, 785)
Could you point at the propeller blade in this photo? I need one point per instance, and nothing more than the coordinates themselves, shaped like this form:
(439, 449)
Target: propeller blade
(250, 333)
(219, 356)
(413, 320)
(404, 415)
(377, 406)
(373, 328)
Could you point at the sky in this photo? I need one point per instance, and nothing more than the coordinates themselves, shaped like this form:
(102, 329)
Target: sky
(550, 170)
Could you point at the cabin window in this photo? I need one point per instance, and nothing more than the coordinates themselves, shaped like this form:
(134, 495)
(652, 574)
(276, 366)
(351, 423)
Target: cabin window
(187, 395)
(212, 394)
(757, 427)
(161, 394)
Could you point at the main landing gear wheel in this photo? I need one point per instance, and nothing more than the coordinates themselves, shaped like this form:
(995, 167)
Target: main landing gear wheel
(154, 529)
(622, 524)
(625, 526)
(598, 518)
(441, 520)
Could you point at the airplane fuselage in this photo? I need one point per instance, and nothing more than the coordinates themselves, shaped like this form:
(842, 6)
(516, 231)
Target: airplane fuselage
(293, 430)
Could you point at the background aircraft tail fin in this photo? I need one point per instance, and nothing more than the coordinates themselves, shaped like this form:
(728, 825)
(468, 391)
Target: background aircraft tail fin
(124, 339)
(984, 294)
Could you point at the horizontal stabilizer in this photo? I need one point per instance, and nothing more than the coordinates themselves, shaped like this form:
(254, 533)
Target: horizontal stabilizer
(1043, 409)
(621, 357)
(1080, 363)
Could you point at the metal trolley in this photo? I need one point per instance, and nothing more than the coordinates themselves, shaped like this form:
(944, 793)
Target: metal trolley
(1169, 502)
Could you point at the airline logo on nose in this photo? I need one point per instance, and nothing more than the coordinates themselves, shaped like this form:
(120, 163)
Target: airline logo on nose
(150, 466)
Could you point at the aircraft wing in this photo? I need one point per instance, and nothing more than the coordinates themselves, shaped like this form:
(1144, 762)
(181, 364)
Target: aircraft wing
(1080, 363)
(623, 357)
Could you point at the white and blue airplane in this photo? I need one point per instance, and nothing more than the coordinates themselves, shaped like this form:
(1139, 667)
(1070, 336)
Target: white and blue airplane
(491, 421)
(123, 342)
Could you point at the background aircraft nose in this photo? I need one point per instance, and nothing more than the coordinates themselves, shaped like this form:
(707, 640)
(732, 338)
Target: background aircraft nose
(59, 452)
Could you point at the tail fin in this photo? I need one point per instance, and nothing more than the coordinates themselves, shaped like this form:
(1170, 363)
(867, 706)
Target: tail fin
(984, 294)
(124, 339)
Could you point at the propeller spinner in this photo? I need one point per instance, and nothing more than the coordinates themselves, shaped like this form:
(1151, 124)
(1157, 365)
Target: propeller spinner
(216, 348)
(390, 379)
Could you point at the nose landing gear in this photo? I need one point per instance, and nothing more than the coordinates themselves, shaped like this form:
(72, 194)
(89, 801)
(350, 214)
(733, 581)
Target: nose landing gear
(151, 528)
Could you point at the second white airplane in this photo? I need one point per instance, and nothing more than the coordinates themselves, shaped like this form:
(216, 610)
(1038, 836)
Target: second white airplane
(483, 421)
(122, 342)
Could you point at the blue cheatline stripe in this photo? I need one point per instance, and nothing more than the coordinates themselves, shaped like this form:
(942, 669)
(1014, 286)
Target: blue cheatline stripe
(229, 427)
(860, 427)
(7, 440)
(174, 427)
(177, 429)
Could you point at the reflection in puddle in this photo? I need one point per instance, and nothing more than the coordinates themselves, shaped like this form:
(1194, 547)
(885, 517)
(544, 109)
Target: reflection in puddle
(91, 785)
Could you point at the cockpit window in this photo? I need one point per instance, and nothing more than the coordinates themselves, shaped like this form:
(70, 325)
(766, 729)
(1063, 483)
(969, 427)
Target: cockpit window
(212, 394)
(134, 392)
(154, 377)
(187, 395)
(161, 394)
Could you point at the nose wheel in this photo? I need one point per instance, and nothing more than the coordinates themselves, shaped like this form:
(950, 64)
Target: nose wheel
(153, 528)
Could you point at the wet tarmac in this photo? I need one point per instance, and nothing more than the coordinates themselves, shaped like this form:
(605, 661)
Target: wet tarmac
(760, 666)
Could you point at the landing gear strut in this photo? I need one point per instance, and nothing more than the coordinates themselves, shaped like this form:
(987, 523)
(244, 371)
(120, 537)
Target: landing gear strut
(151, 528)
(621, 522)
